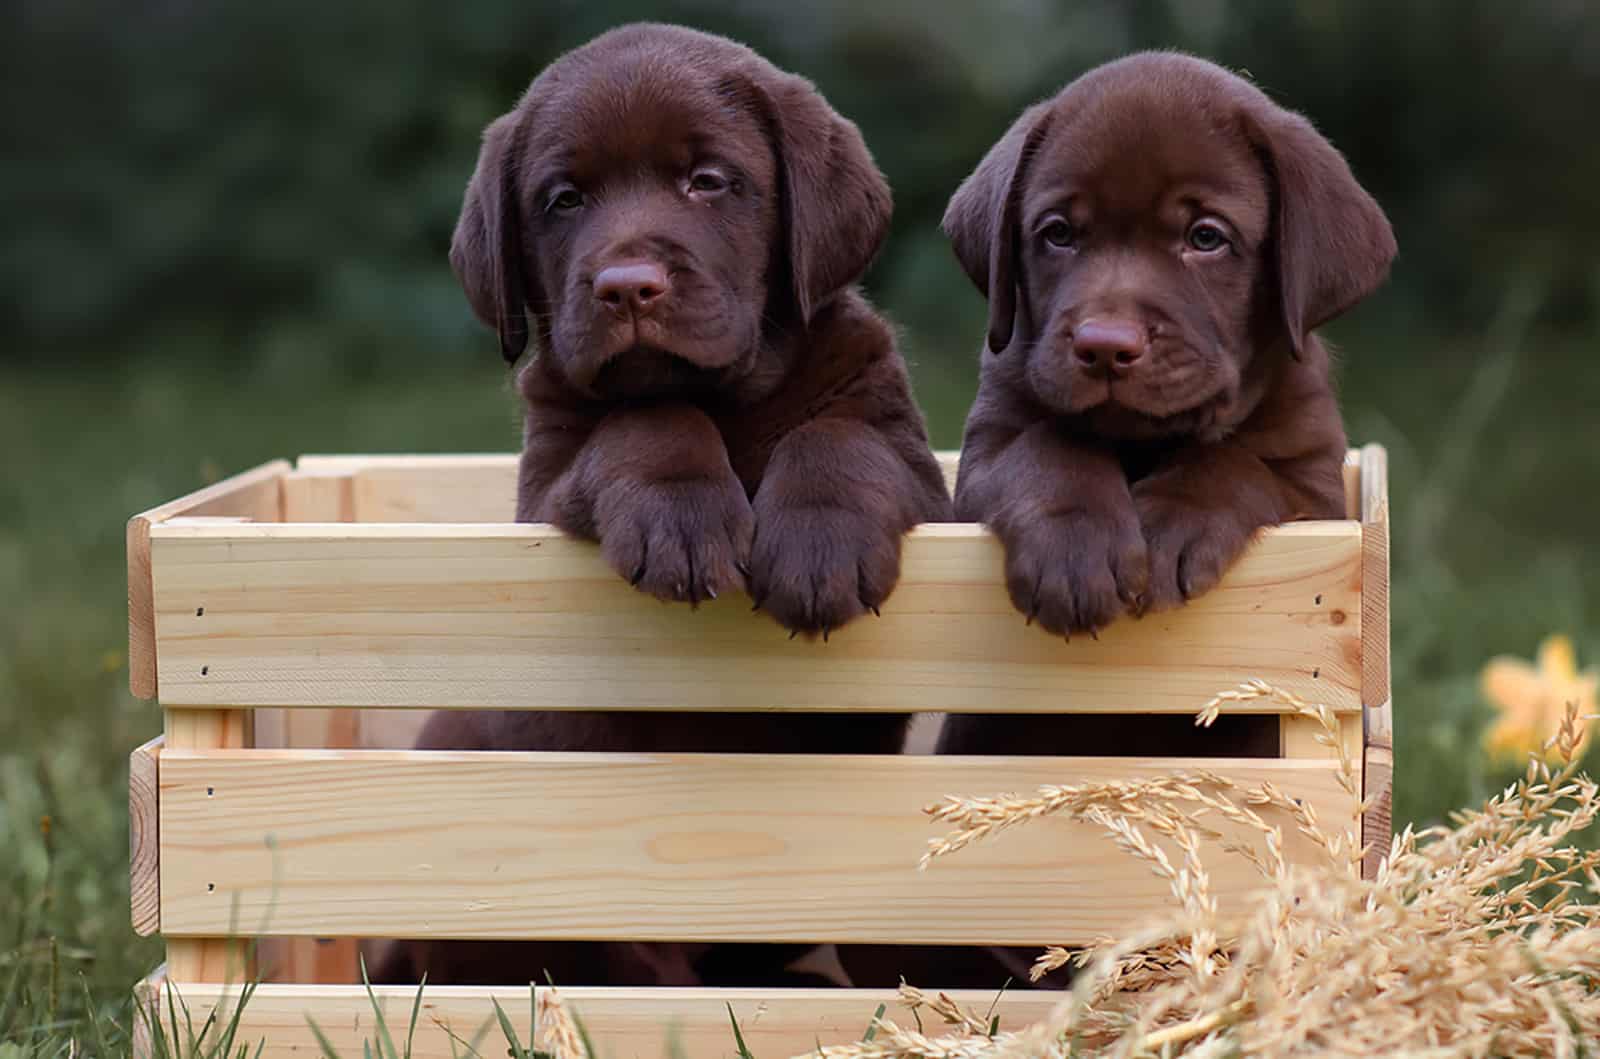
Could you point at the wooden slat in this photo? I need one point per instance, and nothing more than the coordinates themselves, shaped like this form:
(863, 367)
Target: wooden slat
(1298, 738)
(277, 1014)
(1375, 690)
(146, 993)
(654, 847)
(144, 875)
(773, 1022)
(463, 489)
(443, 488)
(220, 957)
(521, 617)
(325, 960)
(622, 1023)
(1352, 484)
(314, 496)
(253, 494)
(1377, 826)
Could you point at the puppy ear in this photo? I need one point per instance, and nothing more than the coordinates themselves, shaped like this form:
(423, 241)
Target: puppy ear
(486, 252)
(836, 204)
(981, 220)
(1332, 241)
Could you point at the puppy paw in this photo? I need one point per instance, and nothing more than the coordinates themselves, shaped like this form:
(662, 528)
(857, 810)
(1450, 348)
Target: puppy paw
(681, 541)
(1191, 545)
(815, 568)
(1075, 572)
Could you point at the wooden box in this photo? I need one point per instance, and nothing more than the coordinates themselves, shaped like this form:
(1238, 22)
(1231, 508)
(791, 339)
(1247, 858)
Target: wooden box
(287, 617)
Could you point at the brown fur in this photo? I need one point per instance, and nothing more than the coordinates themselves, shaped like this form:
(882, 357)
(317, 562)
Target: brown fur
(678, 225)
(1119, 489)
(1132, 485)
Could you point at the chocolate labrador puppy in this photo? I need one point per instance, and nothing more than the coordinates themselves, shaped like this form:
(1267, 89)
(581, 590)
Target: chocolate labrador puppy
(1157, 244)
(677, 226)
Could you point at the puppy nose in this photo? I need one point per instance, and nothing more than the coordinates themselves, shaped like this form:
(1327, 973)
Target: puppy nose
(635, 285)
(1109, 345)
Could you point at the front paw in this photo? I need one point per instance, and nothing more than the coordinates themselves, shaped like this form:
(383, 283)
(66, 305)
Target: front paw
(1076, 571)
(815, 568)
(680, 541)
(1191, 545)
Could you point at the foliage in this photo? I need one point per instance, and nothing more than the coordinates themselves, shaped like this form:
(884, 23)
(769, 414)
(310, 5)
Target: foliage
(279, 181)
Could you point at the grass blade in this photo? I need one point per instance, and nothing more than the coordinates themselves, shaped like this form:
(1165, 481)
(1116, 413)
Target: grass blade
(738, 1037)
(328, 1051)
(416, 1009)
(872, 1027)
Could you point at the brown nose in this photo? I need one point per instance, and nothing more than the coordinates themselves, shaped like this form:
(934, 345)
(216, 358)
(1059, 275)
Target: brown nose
(1104, 345)
(636, 286)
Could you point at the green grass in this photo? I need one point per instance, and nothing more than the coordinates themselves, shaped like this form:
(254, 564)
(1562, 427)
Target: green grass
(1495, 452)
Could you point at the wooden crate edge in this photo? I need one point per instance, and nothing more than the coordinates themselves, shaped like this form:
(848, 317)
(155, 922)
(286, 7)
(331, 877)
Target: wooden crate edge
(144, 837)
(231, 496)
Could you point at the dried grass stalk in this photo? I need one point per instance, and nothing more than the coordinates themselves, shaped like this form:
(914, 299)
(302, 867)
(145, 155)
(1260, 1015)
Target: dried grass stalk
(557, 1032)
(1479, 938)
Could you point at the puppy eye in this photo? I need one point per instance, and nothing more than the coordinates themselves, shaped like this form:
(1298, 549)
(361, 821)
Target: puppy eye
(707, 182)
(1058, 232)
(1207, 237)
(564, 199)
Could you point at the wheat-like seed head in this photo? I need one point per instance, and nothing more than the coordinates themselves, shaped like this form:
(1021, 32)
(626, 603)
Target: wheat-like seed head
(1480, 938)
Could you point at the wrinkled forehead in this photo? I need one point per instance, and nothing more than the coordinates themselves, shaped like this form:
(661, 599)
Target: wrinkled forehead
(644, 114)
(1135, 152)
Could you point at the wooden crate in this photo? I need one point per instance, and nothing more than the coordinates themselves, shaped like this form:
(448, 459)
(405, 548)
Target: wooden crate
(295, 617)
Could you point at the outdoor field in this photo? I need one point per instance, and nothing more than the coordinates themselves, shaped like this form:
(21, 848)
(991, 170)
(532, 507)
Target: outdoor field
(283, 289)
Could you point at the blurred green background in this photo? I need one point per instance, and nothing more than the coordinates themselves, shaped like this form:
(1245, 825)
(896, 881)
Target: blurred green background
(222, 239)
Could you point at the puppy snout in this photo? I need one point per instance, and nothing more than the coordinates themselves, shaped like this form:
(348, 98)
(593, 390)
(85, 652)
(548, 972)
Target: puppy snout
(634, 286)
(1108, 346)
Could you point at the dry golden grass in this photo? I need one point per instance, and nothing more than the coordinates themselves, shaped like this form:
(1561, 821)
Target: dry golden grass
(1476, 939)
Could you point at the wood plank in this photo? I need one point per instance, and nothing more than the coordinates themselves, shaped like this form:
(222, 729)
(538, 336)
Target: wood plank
(144, 874)
(1352, 484)
(621, 1022)
(253, 494)
(217, 958)
(654, 847)
(277, 1015)
(450, 488)
(773, 1022)
(325, 960)
(465, 489)
(1298, 739)
(314, 496)
(1377, 825)
(1375, 688)
(146, 992)
(521, 617)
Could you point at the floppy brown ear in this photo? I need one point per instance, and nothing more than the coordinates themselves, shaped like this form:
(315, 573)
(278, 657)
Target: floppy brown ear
(981, 220)
(486, 252)
(836, 204)
(1332, 241)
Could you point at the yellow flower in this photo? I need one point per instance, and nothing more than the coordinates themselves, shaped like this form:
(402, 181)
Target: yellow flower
(1532, 699)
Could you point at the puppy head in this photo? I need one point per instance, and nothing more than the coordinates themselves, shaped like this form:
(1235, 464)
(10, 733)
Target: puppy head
(657, 200)
(1153, 236)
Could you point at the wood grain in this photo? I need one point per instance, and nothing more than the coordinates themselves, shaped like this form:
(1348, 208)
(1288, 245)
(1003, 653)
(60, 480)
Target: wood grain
(253, 494)
(621, 1022)
(327, 960)
(773, 1022)
(444, 488)
(144, 868)
(220, 957)
(521, 617)
(315, 496)
(1375, 690)
(1377, 825)
(1352, 484)
(648, 847)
